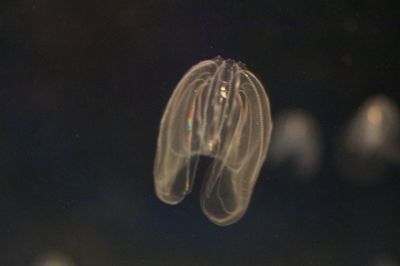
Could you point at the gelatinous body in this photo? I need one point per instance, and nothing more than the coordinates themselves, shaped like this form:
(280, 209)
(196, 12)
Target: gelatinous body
(375, 127)
(220, 110)
(370, 144)
(296, 140)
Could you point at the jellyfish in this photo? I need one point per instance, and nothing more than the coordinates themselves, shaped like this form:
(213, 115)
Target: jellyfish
(297, 141)
(52, 258)
(220, 110)
(384, 259)
(370, 143)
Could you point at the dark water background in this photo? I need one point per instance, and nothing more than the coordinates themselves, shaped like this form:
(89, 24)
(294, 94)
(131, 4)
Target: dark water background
(83, 85)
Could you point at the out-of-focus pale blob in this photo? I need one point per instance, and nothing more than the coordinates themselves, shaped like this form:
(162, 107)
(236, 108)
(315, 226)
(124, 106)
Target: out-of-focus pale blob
(371, 140)
(296, 141)
(374, 128)
(53, 258)
(219, 110)
(384, 260)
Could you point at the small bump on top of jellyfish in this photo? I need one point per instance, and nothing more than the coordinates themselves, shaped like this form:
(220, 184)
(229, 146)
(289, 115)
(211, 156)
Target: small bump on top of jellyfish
(230, 62)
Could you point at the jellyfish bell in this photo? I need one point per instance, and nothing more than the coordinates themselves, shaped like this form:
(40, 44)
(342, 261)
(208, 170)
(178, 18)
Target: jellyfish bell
(370, 142)
(296, 142)
(219, 109)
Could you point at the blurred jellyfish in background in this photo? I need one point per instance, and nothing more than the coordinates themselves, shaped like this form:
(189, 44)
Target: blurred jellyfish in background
(370, 142)
(384, 260)
(53, 258)
(296, 142)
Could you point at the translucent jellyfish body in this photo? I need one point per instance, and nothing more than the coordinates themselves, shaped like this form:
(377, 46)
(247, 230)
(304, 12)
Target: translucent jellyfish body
(219, 110)
(371, 141)
(296, 140)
